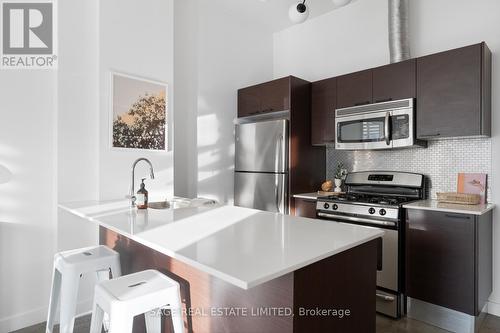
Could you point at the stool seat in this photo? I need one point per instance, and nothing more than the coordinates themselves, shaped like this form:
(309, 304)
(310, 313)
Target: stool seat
(88, 259)
(145, 292)
(69, 267)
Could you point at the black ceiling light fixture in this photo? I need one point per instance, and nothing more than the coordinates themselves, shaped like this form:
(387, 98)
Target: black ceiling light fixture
(298, 12)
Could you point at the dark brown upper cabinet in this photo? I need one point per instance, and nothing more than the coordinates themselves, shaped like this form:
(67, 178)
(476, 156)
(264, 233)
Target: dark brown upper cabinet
(449, 259)
(307, 163)
(263, 98)
(354, 89)
(323, 105)
(454, 93)
(395, 81)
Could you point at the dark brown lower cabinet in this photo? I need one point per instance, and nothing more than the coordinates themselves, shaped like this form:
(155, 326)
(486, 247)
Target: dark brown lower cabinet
(449, 259)
(305, 208)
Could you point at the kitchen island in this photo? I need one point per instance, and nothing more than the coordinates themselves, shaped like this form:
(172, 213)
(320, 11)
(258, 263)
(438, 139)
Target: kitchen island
(244, 270)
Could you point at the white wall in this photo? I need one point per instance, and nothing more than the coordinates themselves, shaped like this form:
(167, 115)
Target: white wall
(48, 139)
(27, 202)
(345, 40)
(234, 51)
(355, 37)
(136, 37)
(220, 47)
(186, 97)
(77, 123)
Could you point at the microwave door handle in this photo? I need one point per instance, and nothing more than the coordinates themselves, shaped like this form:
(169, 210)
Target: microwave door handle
(387, 128)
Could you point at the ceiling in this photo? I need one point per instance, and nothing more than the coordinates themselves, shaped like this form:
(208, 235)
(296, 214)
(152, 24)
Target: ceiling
(280, 10)
(272, 13)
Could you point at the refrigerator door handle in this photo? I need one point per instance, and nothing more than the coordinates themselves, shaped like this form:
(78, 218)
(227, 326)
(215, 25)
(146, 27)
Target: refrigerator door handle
(280, 194)
(276, 196)
(280, 152)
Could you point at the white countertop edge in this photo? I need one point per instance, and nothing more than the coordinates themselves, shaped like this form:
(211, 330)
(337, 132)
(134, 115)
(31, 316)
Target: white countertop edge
(311, 261)
(459, 209)
(307, 196)
(228, 278)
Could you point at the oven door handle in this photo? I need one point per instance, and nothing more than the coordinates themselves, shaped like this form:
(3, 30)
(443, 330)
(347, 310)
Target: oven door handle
(387, 128)
(357, 219)
(385, 297)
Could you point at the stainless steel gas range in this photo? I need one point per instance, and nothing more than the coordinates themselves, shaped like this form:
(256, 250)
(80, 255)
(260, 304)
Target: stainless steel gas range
(375, 198)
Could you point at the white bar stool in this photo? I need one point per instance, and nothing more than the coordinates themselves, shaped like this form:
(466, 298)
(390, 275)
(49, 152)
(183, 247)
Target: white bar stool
(69, 266)
(146, 292)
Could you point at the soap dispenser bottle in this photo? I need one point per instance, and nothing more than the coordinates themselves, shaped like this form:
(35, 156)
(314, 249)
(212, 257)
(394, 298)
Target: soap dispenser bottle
(142, 196)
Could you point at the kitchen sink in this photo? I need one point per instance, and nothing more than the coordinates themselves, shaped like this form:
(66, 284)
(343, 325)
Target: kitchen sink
(159, 205)
(180, 203)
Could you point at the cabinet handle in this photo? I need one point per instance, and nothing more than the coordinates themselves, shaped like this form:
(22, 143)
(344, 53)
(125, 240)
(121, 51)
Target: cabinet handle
(383, 100)
(430, 135)
(379, 254)
(362, 103)
(461, 217)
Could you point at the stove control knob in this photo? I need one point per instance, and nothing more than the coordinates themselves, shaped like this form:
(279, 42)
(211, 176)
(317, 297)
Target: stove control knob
(335, 207)
(326, 205)
(382, 212)
(371, 210)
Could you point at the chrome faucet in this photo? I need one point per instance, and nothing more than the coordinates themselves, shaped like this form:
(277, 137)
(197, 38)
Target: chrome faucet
(132, 196)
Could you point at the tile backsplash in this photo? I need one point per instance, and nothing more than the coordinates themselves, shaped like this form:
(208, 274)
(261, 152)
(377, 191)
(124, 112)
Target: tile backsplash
(440, 162)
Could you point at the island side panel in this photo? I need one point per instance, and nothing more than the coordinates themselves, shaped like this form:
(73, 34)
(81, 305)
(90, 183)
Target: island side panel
(346, 281)
(202, 292)
(342, 281)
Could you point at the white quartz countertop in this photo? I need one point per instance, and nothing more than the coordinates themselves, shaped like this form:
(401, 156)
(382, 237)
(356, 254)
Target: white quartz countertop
(242, 246)
(450, 208)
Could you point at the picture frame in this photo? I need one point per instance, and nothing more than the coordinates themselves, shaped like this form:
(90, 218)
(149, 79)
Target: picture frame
(138, 113)
(473, 183)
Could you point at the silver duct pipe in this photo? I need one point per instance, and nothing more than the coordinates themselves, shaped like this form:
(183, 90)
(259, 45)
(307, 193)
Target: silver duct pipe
(399, 47)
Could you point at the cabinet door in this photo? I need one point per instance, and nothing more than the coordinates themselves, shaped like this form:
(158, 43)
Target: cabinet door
(394, 81)
(323, 104)
(249, 101)
(305, 208)
(266, 97)
(440, 259)
(354, 89)
(449, 93)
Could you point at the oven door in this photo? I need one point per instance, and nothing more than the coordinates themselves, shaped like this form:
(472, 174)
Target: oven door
(388, 277)
(364, 131)
(388, 296)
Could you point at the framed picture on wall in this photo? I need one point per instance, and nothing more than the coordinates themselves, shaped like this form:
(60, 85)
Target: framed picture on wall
(138, 113)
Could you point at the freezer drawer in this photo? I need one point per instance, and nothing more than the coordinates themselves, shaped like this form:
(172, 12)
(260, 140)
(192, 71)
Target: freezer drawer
(262, 146)
(263, 191)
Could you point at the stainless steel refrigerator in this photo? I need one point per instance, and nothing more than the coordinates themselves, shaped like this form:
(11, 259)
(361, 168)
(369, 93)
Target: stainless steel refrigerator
(261, 165)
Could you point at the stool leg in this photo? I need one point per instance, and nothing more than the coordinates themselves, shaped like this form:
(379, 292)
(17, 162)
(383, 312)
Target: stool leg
(176, 310)
(54, 300)
(97, 318)
(116, 268)
(69, 297)
(153, 321)
(103, 276)
(120, 323)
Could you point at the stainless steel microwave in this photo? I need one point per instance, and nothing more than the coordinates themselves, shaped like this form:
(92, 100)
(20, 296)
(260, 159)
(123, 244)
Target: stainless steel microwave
(383, 125)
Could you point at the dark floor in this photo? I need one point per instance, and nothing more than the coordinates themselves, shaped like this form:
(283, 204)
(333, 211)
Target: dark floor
(491, 324)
